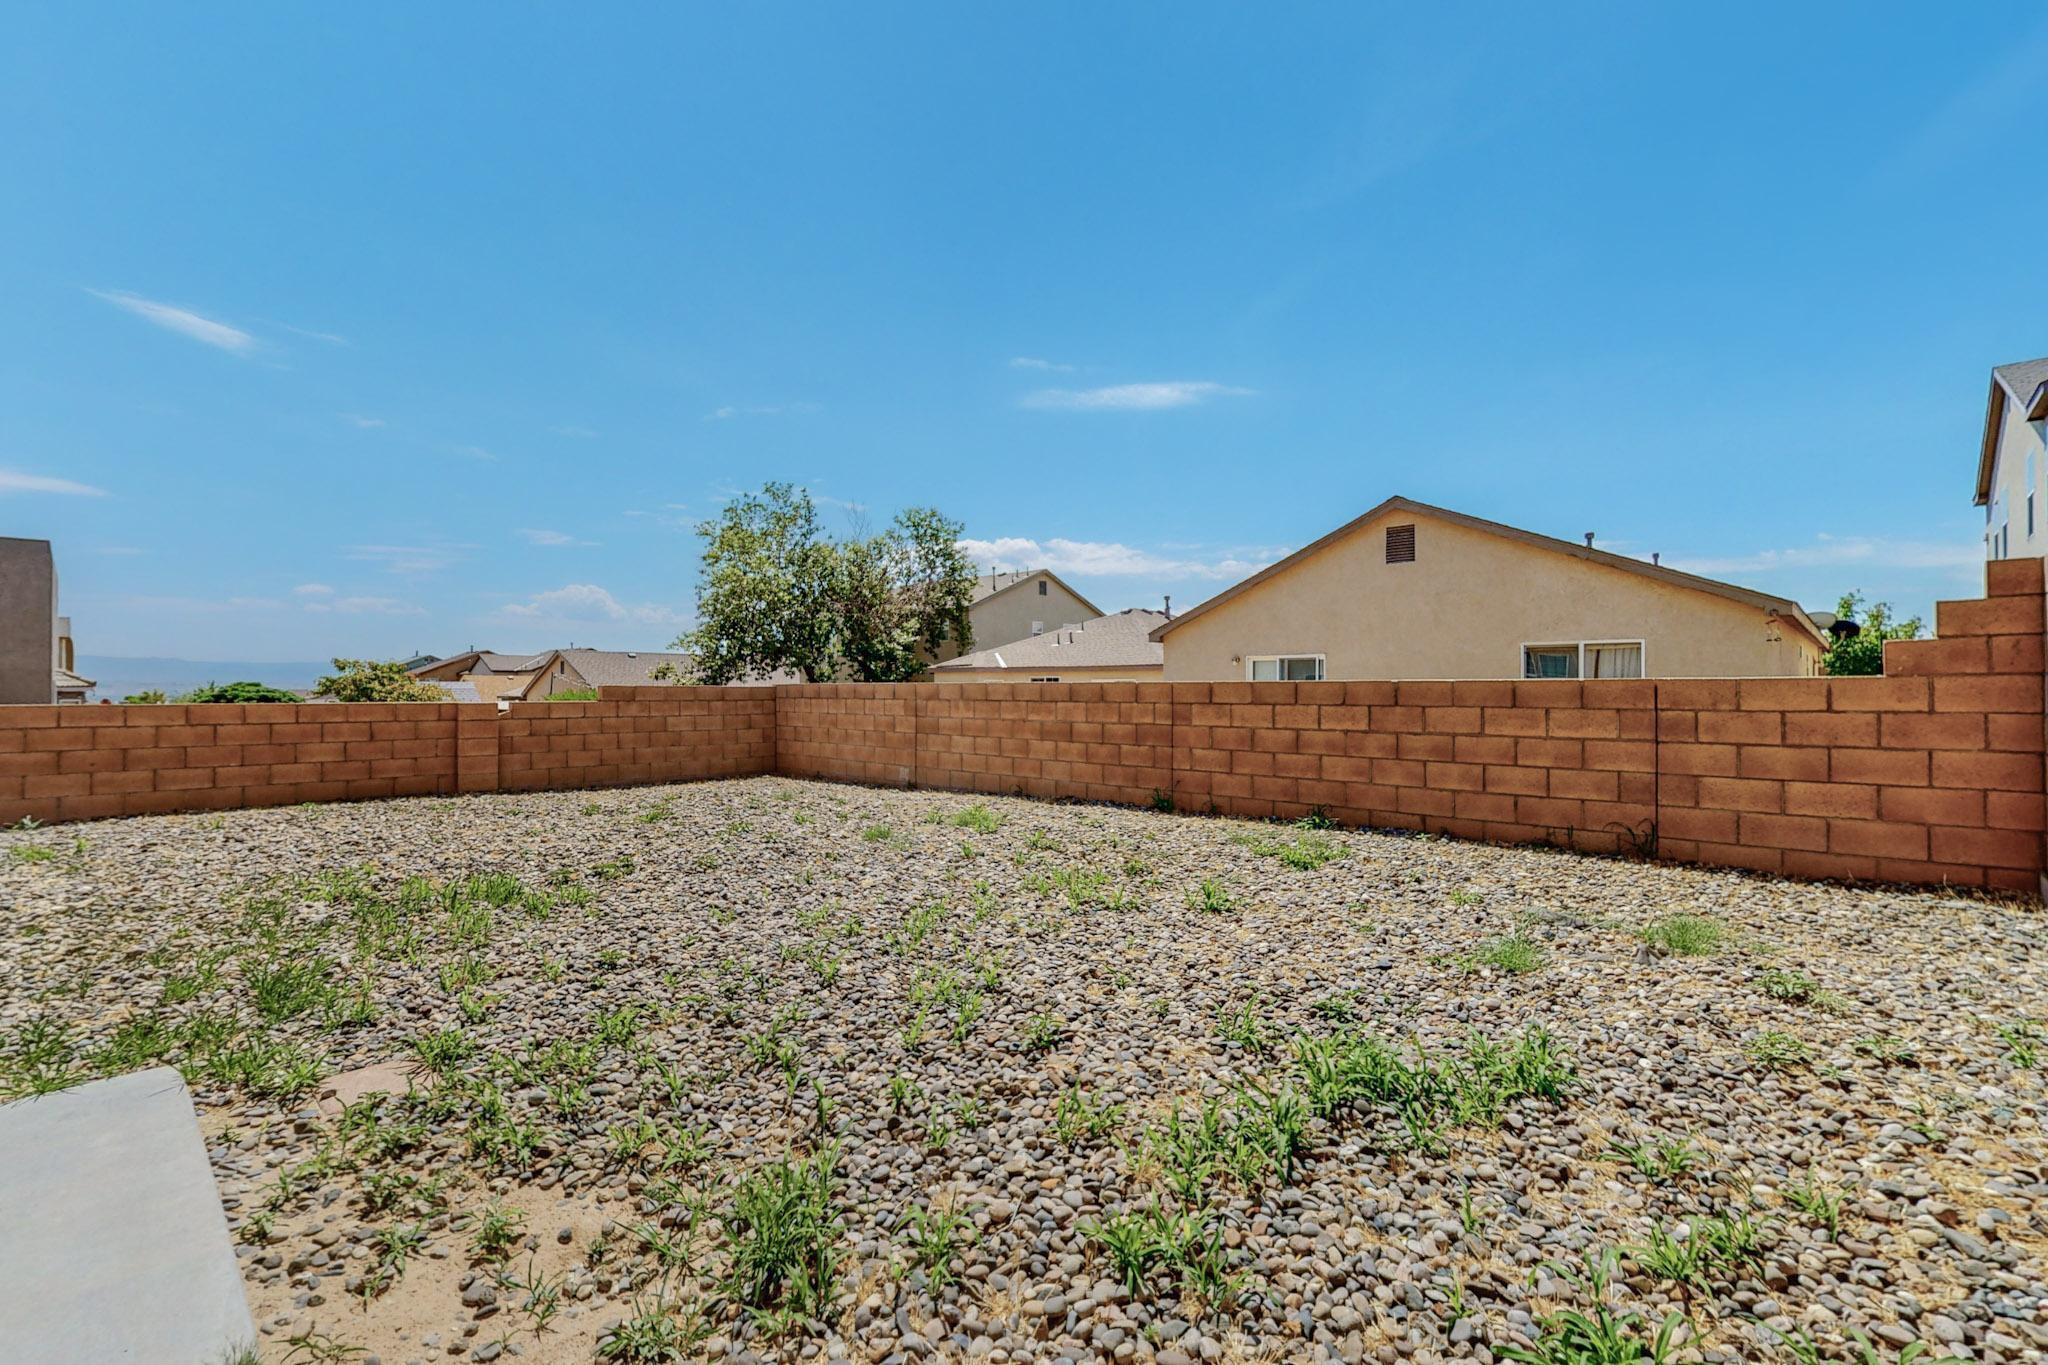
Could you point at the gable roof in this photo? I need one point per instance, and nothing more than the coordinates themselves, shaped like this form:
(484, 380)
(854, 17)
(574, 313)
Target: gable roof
(1121, 640)
(992, 584)
(2022, 382)
(617, 668)
(1774, 606)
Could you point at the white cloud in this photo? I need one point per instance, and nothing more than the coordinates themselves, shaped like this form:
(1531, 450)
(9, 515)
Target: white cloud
(589, 602)
(410, 558)
(732, 410)
(1177, 393)
(11, 482)
(328, 337)
(180, 320)
(1032, 362)
(313, 590)
(1107, 559)
(366, 606)
(473, 452)
(202, 604)
(537, 536)
(356, 419)
(1828, 550)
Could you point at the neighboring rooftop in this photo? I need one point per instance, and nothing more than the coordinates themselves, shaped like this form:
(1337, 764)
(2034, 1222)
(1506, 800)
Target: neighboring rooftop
(1119, 640)
(2024, 382)
(1783, 607)
(989, 584)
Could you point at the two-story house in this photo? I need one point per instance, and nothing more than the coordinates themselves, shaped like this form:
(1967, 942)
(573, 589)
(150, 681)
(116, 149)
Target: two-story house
(1019, 605)
(2013, 461)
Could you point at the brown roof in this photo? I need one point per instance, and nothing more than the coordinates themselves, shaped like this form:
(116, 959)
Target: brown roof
(1121, 640)
(617, 668)
(2023, 383)
(1776, 606)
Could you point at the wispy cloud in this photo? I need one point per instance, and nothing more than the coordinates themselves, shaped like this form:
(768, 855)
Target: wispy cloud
(669, 514)
(1176, 393)
(732, 410)
(2007, 93)
(329, 337)
(313, 590)
(13, 482)
(1032, 362)
(1109, 559)
(589, 602)
(201, 605)
(356, 419)
(536, 536)
(365, 606)
(411, 558)
(473, 452)
(1829, 551)
(180, 320)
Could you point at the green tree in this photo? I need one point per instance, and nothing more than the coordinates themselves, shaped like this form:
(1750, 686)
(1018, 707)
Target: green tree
(236, 691)
(375, 680)
(1863, 653)
(775, 593)
(901, 595)
(764, 599)
(153, 697)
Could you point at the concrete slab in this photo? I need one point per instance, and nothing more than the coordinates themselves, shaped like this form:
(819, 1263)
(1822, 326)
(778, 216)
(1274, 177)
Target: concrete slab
(115, 1247)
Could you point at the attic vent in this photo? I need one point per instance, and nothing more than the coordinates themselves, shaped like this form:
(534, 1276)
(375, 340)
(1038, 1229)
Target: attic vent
(1401, 544)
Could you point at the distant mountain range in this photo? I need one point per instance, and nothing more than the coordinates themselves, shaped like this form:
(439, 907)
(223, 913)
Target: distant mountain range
(115, 677)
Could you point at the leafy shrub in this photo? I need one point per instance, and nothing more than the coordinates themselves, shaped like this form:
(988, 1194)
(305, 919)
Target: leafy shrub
(573, 694)
(372, 680)
(149, 698)
(234, 691)
(1863, 653)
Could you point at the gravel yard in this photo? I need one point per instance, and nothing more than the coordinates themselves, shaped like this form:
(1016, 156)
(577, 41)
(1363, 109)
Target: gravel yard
(768, 1069)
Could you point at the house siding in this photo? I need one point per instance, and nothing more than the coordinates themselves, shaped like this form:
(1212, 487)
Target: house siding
(1007, 615)
(1465, 607)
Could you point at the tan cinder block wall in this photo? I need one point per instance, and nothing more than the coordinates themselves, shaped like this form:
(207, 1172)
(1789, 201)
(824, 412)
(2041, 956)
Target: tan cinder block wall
(1932, 773)
(1465, 608)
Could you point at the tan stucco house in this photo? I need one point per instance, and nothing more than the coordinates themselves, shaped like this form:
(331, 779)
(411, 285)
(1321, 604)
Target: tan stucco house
(1114, 648)
(1015, 606)
(2012, 461)
(1414, 591)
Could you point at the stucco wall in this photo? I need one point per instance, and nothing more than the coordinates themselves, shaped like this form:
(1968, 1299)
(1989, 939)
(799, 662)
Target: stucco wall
(2016, 440)
(1011, 675)
(1465, 607)
(28, 622)
(1007, 615)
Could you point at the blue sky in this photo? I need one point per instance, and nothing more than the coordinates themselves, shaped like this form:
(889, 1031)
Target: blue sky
(341, 330)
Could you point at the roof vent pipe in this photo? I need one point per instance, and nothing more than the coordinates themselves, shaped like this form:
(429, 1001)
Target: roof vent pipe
(1656, 558)
(1169, 606)
(1589, 540)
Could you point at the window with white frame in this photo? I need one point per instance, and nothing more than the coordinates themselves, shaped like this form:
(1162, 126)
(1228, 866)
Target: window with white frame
(1584, 659)
(1284, 668)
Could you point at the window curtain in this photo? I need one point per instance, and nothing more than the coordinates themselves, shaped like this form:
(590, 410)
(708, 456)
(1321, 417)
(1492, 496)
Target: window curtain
(1615, 661)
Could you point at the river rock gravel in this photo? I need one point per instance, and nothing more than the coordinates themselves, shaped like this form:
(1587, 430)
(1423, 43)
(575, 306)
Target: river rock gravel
(776, 1070)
